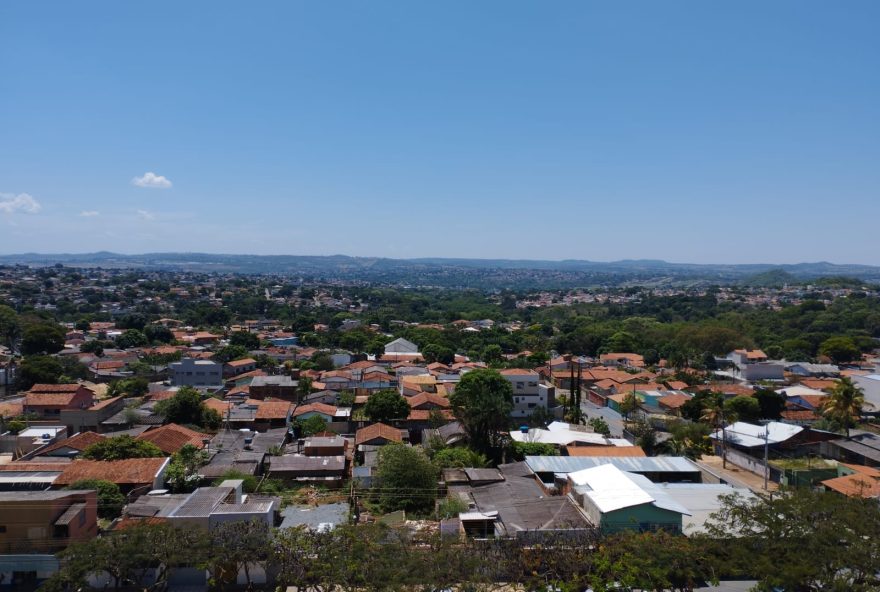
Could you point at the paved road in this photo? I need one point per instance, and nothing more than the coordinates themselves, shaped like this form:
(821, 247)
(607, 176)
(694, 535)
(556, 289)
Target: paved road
(611, 417)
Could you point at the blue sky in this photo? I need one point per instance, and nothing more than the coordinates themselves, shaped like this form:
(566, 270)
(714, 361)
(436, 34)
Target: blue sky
(690, 131)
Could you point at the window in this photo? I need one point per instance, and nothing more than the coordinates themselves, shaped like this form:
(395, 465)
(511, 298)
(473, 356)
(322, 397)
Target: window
(532, 405)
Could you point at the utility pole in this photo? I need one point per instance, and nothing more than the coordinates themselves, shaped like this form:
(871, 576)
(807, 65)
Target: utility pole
(766, 454)
(570, 386)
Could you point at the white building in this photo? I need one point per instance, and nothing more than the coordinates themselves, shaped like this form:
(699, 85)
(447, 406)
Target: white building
(529, 393)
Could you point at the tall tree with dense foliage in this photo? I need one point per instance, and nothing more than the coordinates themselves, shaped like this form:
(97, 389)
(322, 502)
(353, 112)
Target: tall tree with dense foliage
(407, 479)
(120, 448)
(10, 327)
(38, 370)
(182, 475)
(110, 498)
(42, 338)
(482, 402)
(840, 349)
(844, 404)
(187, 408)
(801, 539)
(385, 406)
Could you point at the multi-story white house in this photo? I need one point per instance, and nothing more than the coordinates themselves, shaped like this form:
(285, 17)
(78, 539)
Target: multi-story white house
(528, 392)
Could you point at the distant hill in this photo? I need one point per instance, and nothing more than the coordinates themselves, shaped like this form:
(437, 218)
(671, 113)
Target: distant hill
(772, 278)
(478, 273)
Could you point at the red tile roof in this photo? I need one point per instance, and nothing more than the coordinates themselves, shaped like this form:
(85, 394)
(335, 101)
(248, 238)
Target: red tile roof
(79, 442)
(106, 402)
(425, 414)
(377, 430)
(428, 399)
(244, 362)
(605, 451)
(171, 437)
(55, 388)
(11, 409)
(865, 482)
(315, 408)
(274, 410)
(132, 471)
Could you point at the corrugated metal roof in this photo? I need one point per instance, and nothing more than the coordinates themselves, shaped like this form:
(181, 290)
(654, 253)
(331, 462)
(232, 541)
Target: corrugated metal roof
(750, 435)
(609, 488)
(650, 464)
(202, 502)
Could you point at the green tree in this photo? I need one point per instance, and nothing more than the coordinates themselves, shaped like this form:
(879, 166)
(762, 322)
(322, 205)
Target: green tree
(245, 339)
(689, 439)
(772, 404)
(132, 338)
(840, 349)
(629, 404)
(520, 450)
(493, 354)
(187, 408)
(38, 370)
(10, 327)
(459, 458)
(95, 346)
(182, 474)
(42, 338)
(385, 406)
(745, 408)
(158, 334)
(844, 403)
(110, 498)
(312, 425)
(600, 426)
(407, 479)
(121, 447)
(801, 539)
(482, 402)
(235, 548)
(229, 353)
(438, 353)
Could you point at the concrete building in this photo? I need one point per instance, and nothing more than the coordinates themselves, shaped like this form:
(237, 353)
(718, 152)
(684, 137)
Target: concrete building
(47, 401)
(278, 387)
(197, 373)
(529, 394)
(46, 521)
(207, 507)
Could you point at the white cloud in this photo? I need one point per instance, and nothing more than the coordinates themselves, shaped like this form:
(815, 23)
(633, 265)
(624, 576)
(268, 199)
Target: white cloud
(89, 213)
(11, 203)
(152, 180)
(145, 215)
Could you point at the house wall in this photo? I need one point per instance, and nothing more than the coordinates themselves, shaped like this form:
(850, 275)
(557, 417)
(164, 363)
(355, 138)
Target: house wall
(187, 372)
(763, 372)
(642, 517)
(28, 523)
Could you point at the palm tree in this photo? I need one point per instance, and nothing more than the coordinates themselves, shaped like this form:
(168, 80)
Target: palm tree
(716, 416)
(844, 402)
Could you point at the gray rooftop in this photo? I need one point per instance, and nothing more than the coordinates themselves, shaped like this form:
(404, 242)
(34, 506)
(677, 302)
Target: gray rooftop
(281, 381)
(651, 464)
(306, 463)
(315, 517)
(19, 496)
(201, 502)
